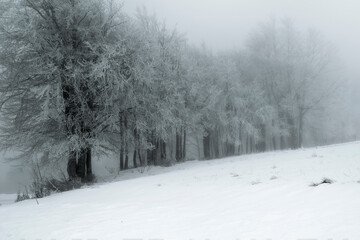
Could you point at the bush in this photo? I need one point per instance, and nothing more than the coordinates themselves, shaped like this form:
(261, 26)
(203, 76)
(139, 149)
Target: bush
(39, 189)
(22, 196)
(55, 185)
(45, 187)
(324, 181)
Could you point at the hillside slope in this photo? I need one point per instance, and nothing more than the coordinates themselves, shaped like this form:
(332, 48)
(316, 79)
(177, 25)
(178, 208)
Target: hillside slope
(260, 196)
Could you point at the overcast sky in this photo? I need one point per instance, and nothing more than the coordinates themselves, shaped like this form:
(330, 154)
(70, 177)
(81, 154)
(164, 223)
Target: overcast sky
(225, 24)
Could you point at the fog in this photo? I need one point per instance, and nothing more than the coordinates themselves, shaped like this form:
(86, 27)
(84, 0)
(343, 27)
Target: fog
(12, 177)
(226, 24)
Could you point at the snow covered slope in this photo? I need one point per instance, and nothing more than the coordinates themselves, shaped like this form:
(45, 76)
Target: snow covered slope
(261, 196)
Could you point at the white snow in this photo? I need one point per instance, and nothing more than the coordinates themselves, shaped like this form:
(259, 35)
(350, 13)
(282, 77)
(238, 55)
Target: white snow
(261, 196)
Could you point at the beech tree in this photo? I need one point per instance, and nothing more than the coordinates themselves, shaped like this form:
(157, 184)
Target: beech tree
(292, 69)
(59, 61)
(166, 95)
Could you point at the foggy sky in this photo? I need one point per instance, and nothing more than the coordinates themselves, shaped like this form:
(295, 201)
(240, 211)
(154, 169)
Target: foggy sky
(225, 24)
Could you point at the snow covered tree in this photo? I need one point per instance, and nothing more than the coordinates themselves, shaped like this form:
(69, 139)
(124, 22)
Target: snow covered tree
(59, 61)
(293, 70)
(164, 98)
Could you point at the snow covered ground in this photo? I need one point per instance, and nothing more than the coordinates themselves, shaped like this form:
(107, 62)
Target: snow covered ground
(261, 196)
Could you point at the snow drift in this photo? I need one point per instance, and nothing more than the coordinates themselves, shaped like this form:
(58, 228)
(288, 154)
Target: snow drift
(278, 195)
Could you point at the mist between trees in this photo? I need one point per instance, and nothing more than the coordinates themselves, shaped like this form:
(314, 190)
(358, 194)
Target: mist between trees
(81, 77)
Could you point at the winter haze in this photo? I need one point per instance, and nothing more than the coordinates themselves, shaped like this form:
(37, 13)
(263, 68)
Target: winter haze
(226, 25)
(169, 119)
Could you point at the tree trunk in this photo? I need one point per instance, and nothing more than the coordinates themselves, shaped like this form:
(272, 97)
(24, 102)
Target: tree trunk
(274, 143)
(152, 153)
(215, 144)
(162, 151)
(179, 148)
(79, 165)
(149, 157)
(261, 145)
(121, 118)
(301, 126)
(155, 152)
(121, 159)
(140, 159)
(126, 165)
(71, 166)
(89, 174)
(134, 159)
(282, 142)
(206, 143)
(198, 146)
(247, 144)
(293, 133)
(136, 137)
(184, 146)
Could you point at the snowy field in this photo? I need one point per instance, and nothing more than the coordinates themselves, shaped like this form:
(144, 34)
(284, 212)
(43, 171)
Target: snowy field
(256, 197)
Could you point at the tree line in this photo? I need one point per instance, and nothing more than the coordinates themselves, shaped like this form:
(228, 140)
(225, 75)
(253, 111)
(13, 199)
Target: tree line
(80, 77)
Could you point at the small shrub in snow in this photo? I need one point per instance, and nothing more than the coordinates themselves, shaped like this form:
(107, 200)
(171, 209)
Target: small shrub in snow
(45, 187)
(166, 163)
(273, 178)
(255, 182)
(144, 168)
(324, 181)
(54, 185)
(234, 174)
(22, 197)
(39, 189)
